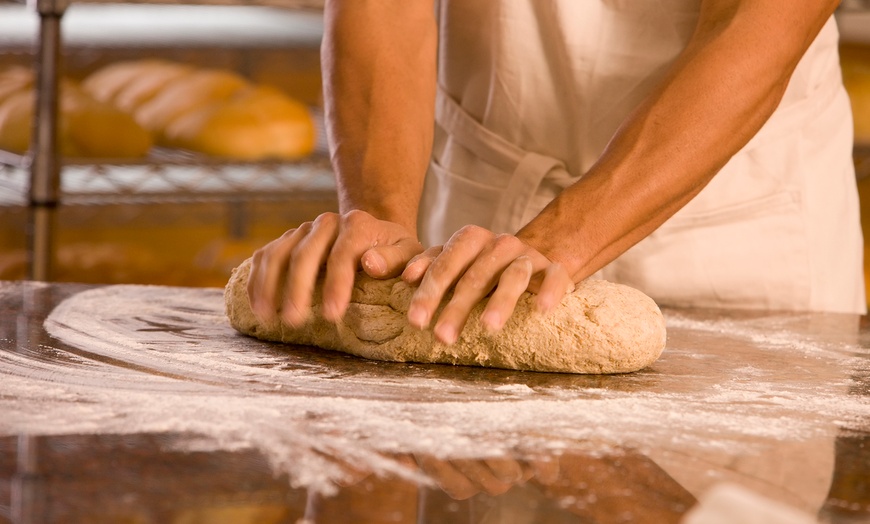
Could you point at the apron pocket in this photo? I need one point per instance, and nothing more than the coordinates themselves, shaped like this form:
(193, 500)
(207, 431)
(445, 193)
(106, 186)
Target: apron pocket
(788, 201)
(753, 255)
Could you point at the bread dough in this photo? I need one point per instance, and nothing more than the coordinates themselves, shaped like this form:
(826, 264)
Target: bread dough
(601, 327)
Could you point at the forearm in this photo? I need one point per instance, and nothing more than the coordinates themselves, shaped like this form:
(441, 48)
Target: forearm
(716, 97)
(378, 62)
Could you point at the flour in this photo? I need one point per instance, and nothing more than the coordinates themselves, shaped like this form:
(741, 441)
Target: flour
(514, 389)
(154, 359)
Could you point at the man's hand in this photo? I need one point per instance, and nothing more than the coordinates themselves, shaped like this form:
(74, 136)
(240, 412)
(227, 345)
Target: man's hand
(340, 242)
(475, 262)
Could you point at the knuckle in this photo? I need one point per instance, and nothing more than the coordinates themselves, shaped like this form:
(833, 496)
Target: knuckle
(520, 268)
(326, 219)
(355, 218)
(437, 275)
(472, 281)
(471, 231)
(505, 242)
(290, 232)
(304, 228)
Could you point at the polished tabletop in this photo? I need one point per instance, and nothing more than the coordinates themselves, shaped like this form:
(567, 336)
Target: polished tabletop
(140, 404)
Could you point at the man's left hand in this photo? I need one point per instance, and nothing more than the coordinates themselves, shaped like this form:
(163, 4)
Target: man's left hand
(475, 262)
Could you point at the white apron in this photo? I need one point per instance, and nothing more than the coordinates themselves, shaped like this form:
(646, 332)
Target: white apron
(531, 92)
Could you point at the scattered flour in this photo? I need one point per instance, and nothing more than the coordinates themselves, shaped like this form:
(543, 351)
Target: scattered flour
(155, 359)
(514, 389)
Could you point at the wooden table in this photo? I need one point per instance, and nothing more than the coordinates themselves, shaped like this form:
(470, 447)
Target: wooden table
(139, 404)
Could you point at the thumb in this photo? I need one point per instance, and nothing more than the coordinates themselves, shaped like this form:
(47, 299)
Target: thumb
(389, 260)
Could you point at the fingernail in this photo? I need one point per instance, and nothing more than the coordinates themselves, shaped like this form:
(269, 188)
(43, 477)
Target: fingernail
(418, 317)
(417, 267)
(375, 264)
(491, 320)
(446, 333)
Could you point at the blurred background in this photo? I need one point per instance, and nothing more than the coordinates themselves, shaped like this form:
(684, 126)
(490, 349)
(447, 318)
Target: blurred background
(171, 218)
(185, 218)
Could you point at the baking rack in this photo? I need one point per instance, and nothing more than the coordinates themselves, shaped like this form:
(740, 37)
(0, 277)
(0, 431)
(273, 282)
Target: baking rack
(156, 178)
(164, 176)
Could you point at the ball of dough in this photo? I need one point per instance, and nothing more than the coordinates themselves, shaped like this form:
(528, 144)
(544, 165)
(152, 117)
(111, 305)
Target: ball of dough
(601, 327)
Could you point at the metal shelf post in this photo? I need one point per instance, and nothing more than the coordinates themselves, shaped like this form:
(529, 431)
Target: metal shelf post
(44, 192)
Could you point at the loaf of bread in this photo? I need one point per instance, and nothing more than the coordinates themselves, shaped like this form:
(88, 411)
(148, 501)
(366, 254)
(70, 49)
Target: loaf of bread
(128, 85)
(13, 80)
(86, 128)
(255, 123)
(212, 111)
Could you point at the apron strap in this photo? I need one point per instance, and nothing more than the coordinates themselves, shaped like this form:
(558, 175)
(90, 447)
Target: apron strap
(526, 169)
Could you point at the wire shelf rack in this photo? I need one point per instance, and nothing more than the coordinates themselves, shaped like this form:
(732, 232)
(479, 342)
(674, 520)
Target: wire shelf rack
(169, 176)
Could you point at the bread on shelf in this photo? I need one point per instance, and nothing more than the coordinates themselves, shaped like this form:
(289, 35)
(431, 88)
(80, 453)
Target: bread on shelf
(212, 111)
(128, 85)
(254, 123)
(86, 128)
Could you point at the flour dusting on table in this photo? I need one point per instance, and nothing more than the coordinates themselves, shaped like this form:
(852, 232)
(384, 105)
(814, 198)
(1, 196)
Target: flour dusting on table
(154, 359)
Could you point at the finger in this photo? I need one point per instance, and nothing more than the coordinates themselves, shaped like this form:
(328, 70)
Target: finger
(545, 470)
(350, 475)
(556, 283)
(455, 258)
(268, 269)
(306, 259)
(477, 472)
(448, 478)
(479, 279)
(357, 235)
(418, 265)
(474, 285)
(512, 284)
(389, 260)
(406, 460)
(505, 469)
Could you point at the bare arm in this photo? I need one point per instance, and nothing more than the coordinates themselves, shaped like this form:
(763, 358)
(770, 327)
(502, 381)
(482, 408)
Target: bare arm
(719, 93)
(379, 91)
(715, 98)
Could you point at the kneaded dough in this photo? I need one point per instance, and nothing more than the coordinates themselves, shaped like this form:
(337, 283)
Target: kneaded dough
(601, 327)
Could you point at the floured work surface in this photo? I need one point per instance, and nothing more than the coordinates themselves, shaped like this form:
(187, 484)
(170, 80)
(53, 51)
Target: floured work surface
(155, 379)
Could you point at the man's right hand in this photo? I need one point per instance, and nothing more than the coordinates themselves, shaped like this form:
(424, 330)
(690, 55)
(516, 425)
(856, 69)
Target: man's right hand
(341, 243)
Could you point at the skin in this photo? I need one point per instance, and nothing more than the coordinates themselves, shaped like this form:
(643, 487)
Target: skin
(379, 68)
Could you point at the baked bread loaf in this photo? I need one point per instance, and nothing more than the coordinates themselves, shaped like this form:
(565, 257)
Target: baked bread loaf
(13, 80)
(128, 85)
(86, 127)
(185, 95)
(254, 123)
(211, 111)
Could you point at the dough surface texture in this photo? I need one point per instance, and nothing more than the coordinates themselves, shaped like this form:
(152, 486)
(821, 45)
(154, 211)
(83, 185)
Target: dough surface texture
(601, 327)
